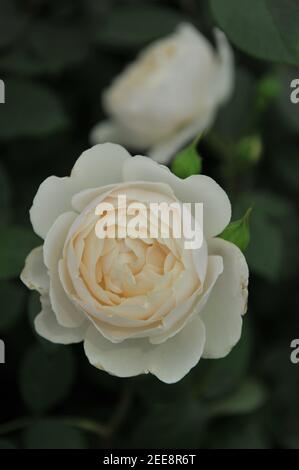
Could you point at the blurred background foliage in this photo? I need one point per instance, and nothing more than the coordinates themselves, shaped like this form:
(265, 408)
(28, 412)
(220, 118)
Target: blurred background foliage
(55, 58)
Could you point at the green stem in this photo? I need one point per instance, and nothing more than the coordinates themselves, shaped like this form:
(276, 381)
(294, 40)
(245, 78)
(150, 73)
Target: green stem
(15, 425)
(87, 425)
(80, 423)
(94, 427)
(121, 411)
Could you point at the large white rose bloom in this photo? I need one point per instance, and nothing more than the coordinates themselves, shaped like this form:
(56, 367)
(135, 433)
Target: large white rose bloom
(139, 305)
(168, 95)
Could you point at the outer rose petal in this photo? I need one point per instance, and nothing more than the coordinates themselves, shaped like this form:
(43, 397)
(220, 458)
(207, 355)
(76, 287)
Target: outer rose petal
(225, 77)
(100, 165)
(34, 274)
(196, 188)
(109, 131)
(52, 199)
(172, 360)
(169, 361)
(222, 315)
(67, 314)
(55, 239)
(47, 326)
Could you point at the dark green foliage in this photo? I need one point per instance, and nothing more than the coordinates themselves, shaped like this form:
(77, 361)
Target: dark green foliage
(56, 58)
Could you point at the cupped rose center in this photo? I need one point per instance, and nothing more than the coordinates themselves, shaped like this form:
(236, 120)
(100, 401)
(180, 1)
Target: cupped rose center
(125, 277)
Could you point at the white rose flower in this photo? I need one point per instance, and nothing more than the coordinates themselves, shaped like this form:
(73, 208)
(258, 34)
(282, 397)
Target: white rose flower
(168, 95)
(139, 305)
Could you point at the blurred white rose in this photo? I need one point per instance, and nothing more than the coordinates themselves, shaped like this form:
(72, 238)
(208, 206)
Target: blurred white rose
(139, 305)
(169, 94)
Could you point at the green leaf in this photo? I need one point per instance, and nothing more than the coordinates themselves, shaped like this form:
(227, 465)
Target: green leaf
(283, 376)
(236, 118)
(12, 301)
(269, 221)
(237, 232)
(174, 425)
(31, 110)
(52, 434)
(284, 419)
(285, 17)
(268, 255)
(267, 29)
(248, 397)
(287, 167)
(15, 244)
(12, 22)
(187, 162)
(48, 48)
(5, 197)
(156, 392)
(214, 379)
(46, 380)
(136, 25)
(7, 445)
(237, 433)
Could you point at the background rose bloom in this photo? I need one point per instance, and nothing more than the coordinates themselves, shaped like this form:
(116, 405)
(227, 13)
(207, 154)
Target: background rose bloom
(169, 94)
(139, 305)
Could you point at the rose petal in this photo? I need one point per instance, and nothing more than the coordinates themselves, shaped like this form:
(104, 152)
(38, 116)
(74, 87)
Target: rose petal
(100, 165)
(55, 239)
(108, 131)
(196, 188)
(164, 150)
(105, 131)
(173, 359)
(52, 199)
(225, 76)
(222, 315)
(66, 312)
(46, 326)
(180, 316)
(91, 170)
(34, 274)
(124, 359)
(169, 361)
